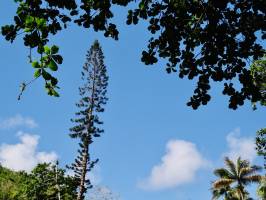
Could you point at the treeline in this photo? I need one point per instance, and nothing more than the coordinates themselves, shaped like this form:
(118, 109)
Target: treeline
(44, 182)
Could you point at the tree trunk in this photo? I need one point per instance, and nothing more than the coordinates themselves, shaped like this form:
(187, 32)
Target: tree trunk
(82, 188)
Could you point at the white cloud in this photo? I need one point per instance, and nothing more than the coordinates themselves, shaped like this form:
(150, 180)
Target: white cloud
(17, 121)
(24, 155)
(240, 146)
(178, 166)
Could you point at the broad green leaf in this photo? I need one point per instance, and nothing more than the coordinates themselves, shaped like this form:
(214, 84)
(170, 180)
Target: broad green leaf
(46, 75)
(37, 73)
(58, 59)
(54, 49)
(35, 64)
(52, 65)
(47, 50)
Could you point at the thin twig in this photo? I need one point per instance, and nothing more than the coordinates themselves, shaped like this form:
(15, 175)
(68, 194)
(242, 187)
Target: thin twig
(24, 85)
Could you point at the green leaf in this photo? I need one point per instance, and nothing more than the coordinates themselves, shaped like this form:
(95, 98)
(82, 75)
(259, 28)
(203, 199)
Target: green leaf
(29, 20)
(45, 60)
(55, 93)
(40, 49)
(46, 75)
(35, 64)
(37, 73)
(52, 65)
(54, 81)
(142, 5)
(49, 92)
(54, 49)
(27, 30)
(48, 88)
(58, 59)
(40, 22)
(47, 50)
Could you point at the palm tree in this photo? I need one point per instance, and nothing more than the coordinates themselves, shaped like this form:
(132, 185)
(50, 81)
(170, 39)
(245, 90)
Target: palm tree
(233, 179)
(261, 191)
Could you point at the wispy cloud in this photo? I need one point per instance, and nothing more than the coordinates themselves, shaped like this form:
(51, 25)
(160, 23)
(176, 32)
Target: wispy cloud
(178, 166)
(17, 121)
(24, 155)
(102, 192)
(240, 146)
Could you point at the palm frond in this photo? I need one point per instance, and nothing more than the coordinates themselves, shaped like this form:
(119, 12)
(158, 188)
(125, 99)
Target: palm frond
(252, 179)
(241, 164)
(246, 171)
(223, 173)
(241, 194)
(234, 194)
(217, 193)
(223, 182)
(231, 166)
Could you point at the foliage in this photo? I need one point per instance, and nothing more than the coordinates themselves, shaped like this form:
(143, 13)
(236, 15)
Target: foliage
(12, 184)
(258, 71)
(87, 123)
(241, 174)
(211, 40)
(228, 193)
(261, 144)
(261, 191)
(44, 182)
(47, 182)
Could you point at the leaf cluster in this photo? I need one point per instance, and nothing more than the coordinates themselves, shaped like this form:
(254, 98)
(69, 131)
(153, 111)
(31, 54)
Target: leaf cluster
(208, 40)
(258, 72)
(261, 144)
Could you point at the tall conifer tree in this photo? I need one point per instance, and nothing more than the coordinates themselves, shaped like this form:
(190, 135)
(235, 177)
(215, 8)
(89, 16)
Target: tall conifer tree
(87, 122)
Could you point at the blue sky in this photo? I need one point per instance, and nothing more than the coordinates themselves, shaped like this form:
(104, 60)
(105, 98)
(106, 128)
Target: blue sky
(148, 127)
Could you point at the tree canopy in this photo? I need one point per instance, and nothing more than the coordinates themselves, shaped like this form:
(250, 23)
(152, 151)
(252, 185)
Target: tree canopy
(12, 184)
(207, 40)
(258, 71)
(44, 182)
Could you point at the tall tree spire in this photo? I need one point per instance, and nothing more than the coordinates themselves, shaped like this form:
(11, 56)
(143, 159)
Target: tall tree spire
(87, 122)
